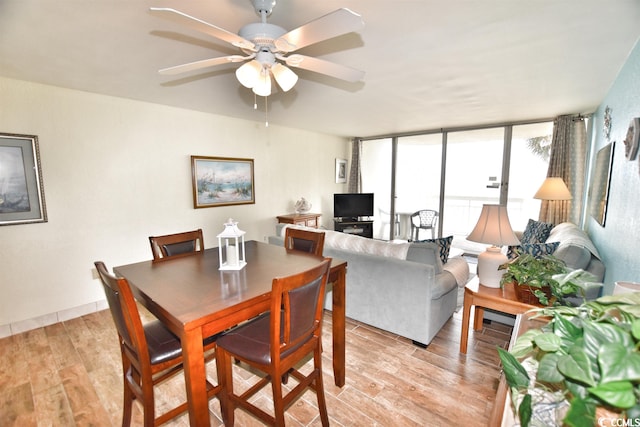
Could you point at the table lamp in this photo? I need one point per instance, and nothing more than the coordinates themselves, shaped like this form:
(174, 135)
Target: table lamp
(553, 188)
(494, 228)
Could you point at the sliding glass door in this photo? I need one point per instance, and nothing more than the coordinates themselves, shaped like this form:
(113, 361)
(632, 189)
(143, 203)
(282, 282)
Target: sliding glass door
(455, 172)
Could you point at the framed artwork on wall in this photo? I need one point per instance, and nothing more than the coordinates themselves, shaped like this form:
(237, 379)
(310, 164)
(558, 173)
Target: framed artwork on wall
(341, 171)
(599, 185)
(222, 181)
(21, 189)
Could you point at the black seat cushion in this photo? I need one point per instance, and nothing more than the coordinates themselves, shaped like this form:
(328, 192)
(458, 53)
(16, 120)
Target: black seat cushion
(251, 340)
(163, 345)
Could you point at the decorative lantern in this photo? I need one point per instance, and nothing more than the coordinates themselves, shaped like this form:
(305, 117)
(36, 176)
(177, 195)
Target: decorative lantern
(231, 243)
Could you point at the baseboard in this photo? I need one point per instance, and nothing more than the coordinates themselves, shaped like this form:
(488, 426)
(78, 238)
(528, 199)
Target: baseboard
(51, 318)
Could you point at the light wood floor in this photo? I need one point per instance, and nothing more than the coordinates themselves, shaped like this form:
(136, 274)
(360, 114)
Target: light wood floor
(70, 374)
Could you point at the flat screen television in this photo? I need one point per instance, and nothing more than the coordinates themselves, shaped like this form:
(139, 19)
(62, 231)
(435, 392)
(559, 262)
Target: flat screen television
(352, 205)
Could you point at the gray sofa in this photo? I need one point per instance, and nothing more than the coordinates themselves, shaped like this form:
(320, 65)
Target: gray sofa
(402, 288)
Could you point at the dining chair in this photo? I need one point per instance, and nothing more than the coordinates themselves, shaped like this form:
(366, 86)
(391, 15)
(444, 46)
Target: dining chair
(150, 353)
(275, 344)
(304, 240)
(176, 245)
(425, 219)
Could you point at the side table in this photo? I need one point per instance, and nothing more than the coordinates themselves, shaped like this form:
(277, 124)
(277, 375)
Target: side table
(305, 219)
(499, 299)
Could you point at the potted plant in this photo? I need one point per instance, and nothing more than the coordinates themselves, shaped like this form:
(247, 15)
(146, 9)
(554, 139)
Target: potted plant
(584, 360)
(534, 282)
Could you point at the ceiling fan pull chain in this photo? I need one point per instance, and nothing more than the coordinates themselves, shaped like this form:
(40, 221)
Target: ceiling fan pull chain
(255, 101)
(266, 111)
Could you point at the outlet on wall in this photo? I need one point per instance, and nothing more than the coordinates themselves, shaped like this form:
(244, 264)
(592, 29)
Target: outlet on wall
(94, 274)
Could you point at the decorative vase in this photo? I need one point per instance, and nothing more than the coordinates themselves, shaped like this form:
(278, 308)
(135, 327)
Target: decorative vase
(302, 206)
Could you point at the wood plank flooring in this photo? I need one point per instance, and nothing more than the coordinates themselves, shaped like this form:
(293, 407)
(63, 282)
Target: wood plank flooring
(69, 374)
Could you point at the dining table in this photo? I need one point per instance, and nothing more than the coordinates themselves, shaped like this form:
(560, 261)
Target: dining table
(195, 299)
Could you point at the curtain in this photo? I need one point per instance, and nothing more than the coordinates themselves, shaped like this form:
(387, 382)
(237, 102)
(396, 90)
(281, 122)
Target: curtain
(355, 178)
(567, 160)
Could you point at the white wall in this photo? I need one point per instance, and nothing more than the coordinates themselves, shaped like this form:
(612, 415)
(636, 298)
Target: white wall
(117, 171)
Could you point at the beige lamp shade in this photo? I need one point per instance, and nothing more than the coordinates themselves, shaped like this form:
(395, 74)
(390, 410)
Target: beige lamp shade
(493, 227)
(553, 189)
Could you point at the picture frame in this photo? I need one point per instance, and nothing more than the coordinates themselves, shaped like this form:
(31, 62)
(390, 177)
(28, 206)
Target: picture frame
(222, 181)
(21, 185)
(600, 183)
(341, 171)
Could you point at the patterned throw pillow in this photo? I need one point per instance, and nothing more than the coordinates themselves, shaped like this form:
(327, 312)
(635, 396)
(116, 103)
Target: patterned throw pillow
(535, 249)
(536, 232)
(444, 244)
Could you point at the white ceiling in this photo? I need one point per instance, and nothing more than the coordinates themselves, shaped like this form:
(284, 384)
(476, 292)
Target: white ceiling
(429, 64)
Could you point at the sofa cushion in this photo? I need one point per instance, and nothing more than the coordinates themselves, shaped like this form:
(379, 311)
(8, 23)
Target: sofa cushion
(425, 253)
(444, 246)
(536, 232)
(535, 249)
(576, 257)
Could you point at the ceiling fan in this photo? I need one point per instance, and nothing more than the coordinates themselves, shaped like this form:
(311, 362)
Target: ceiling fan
(268, 48)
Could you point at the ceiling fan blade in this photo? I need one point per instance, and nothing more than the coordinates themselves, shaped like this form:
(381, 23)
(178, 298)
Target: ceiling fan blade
(202, 26)
(205, 63)
(334, 24)
(321, 66)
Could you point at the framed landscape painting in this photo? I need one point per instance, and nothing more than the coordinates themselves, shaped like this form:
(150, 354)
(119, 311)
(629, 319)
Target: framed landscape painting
(222, 181)
(21, 190)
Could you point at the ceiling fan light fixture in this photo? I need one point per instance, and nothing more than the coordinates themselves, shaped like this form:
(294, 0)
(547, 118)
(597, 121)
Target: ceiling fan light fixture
(284, 76)
(263, 85)
(249, 74)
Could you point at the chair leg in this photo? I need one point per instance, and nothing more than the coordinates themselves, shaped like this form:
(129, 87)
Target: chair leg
(127, 405)
(225, 381)
(319, 386)
(278, 401)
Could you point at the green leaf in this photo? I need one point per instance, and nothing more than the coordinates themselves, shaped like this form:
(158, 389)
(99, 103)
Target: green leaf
(618, 363)
(514, 372)
(618, 394)
(635, 329)
(548, 342)
(548, 369)
(524, 411)
(576, 365)
(524, 343)
(564, 328)
(581, 414)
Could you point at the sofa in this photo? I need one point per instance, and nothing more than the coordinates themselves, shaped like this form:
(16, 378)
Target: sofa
(403, 288)
(568, 242)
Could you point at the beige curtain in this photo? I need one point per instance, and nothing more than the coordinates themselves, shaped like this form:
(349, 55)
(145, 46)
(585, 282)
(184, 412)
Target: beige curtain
(568, 161)
(355, 178)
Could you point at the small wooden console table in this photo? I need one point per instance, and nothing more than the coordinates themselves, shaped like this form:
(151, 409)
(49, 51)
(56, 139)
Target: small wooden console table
(305, 219)
(499, 299)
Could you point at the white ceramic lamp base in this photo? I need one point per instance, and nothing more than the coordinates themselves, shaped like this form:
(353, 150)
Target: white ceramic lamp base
(488, 263)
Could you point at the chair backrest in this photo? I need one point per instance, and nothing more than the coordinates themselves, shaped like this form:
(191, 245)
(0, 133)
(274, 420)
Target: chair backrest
(125, 315)
(176, 245)
(304, 240)
(300, 300)
(425, 218)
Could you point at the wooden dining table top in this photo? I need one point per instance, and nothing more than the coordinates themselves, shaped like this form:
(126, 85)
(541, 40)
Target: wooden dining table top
(192, 291)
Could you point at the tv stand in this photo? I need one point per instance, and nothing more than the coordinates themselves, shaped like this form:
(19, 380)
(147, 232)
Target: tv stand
(354, 226)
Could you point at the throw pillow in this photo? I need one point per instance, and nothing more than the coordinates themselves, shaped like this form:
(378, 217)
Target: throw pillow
(425, 253)
(444, 245)
(535, 249)
(536, 232)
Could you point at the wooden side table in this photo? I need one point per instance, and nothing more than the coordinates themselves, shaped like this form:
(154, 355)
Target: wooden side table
(499, 299)
(305, 219)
